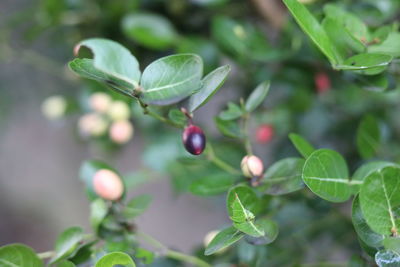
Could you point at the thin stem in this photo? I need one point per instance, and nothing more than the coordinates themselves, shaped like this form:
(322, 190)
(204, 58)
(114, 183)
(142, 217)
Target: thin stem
(219, 162)
(45, 255)
(155, 115)
(172, 253)
(245, 132)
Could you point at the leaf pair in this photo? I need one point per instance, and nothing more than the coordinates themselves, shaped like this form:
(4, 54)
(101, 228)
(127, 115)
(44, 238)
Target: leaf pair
(165, 81)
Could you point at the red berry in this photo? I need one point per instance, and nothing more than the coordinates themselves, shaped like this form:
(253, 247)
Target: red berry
(322, 82)
(264, 133)
(194, 139)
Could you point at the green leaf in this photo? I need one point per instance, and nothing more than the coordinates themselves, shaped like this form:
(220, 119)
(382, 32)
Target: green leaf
(270, 229)
(313, 29)
(170, 79)
(368, 136)
(144, 254)
(177, 117)
(67, 243)
(257, 96)
(65, 264)
(213, 184)
(387, 258)
(283, 177)
(250, 228)
(247, 197)
(88, 170)
(210, 85)
(392, 243)
(228, 128)
(223, 239)
(98, 211)
(391, 45)
(363, 231)
(18, 255)
(136, 206)
(115, 258)
(113, 59)
(380, 200)
(84, 67)
(239, 212)
(150, 30)
(325, 173)
(365, 170)
(367, 63)
(233, 112)
(302, 145)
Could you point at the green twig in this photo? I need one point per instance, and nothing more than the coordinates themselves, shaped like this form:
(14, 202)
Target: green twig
(172, 253)
(245, 132)
(155, 115)
(219, 162)
(46, 255)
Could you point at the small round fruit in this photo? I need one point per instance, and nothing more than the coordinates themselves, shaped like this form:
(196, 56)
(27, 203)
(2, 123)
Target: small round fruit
(121, 132)
(194, 139)
(252, 166)
(100, 102)
(264, 133)
(108, 185)
(322, 82)
(92, 124)
(54, 107)
(119, 110)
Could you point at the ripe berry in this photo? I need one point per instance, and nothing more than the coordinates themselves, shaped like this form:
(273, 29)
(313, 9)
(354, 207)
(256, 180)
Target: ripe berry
(108, 185)
(322, 82)
(194, 139)
(264, 133)
(121, 132)
(252, 166)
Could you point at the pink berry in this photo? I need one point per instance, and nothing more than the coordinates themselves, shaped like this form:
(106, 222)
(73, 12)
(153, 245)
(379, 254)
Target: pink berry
(322, 82)
(108, 185)
(194, 139)
(264, 133)
(252, 166)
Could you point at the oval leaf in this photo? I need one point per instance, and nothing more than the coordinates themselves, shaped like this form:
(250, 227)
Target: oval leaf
(325, 173)
(67, 243)
(171, 79)
(18, 255)
(302, 145)
(380, 200)
(247, 197)
(270, 229)
(367, 63)
(257, 96)
(210, 85)
(113, 59)
(150, 30)
(283, 177)
(364, 232)
(115, 258)
(223, 239)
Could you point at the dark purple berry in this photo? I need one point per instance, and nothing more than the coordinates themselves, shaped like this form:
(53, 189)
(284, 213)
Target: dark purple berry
(194, 139)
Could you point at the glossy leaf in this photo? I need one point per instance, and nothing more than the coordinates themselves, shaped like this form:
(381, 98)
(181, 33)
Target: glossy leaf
(170, 79)
(257, 96)
(67, 243)
(364, 232)
(247, 197)
(98, 211)
(233, 112)
(270, 229)
(325, 173)
(367, 63)
(392, 243)
(18, 255)
(243, 219)
(113, 59)
(223, 239)
(115, 258)
(283, 177)
(380, 200)
(84, 67)
(313, 29)
(368, 136)
(210, 85)
(302, 145)
(150, 30)
(212, 184)
(136, 206)
(387, 258)
(390, 46)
